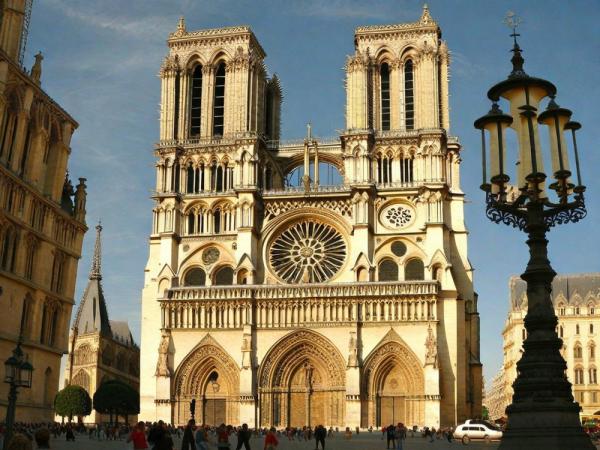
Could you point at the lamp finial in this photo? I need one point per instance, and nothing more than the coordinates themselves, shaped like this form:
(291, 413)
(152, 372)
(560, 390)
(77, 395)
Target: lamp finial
(513, 21)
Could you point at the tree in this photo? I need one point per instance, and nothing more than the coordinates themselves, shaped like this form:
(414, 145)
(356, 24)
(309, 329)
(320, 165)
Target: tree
(72, 401)
(116, 397)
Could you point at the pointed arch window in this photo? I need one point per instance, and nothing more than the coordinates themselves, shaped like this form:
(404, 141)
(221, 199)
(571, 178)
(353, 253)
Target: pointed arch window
(384, 75)
(190, 179)
(196, 101)
(219, 101)
(414, 270)
(409, 95)
(224, 276)
(388, 270)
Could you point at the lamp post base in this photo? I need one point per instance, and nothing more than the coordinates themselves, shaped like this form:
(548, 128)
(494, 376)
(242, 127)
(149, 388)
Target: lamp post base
(552, 425)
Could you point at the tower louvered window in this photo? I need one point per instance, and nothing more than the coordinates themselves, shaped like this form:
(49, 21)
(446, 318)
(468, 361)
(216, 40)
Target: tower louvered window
(196, 101)
(384, 73)
(409, 96)
(219, 103)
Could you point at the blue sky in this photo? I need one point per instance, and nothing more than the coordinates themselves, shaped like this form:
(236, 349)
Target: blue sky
(101, 64)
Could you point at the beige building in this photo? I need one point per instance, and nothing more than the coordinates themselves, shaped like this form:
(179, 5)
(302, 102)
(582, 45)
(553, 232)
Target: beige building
(311, 281)
(100, 349)
(576, 299)
(42, 220)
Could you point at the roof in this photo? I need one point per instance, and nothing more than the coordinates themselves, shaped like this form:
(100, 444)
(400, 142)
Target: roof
(570, 288)
(121, 333)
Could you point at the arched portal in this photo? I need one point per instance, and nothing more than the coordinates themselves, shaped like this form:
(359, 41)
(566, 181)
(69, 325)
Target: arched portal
(393, 387)
(211, 377)
(302, 382)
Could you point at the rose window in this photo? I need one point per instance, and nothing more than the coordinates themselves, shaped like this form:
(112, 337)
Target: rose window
(307, 252)
(398, 216)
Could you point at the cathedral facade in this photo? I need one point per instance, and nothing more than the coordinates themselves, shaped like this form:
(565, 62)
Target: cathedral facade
(314, 281)
(42, 220)
(100, 349)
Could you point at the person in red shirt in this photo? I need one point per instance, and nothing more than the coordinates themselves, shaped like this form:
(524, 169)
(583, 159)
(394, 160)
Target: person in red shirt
(271, 441)
(138, 437)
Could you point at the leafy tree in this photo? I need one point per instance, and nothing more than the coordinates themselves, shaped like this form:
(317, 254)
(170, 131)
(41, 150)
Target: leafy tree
(485, 413)
(116, 397)
(73, 401)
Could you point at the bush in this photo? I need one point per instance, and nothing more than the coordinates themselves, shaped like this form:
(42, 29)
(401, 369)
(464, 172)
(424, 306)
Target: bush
(72, 401)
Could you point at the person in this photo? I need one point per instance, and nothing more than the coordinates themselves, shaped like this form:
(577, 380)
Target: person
(222, 437)
(19, 442)
(165, 441)
(189, 442)
(42, 438)
(202, 439)
(432, 434)
(271, 441)
(400, 435)
(449, 434)
(320, 434)
(390, 430)
(138, 437)
(243, 436)
(69, 435)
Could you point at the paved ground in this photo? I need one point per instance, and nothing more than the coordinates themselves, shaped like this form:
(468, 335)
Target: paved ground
(363, 441)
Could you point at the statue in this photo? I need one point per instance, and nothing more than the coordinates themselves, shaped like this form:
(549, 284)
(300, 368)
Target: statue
(352, 351)
(246, 351)
(162, 365)
(36, 70)
(431, 346)
(193, 408)
(80, 200)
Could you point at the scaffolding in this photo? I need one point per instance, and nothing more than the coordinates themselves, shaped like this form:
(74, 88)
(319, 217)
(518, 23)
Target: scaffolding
(25, 30)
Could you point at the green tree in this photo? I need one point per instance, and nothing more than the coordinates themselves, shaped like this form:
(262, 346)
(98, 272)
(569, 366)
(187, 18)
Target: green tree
(73, 401)
(114, 397)
(485, 413)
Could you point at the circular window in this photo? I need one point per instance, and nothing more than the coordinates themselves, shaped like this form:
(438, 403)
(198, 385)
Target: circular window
(397, 216)
(210, 255)
(307, 252)
(399, 248)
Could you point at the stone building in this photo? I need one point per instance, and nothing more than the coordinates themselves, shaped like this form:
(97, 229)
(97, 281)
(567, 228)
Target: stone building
(576, 300)
(42, 220)
(100, 349)
(276, 299)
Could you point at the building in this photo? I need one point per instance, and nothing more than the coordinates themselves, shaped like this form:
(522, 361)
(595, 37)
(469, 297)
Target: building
(274, 299)
(575, 298)
(100, 349)
(42, 219)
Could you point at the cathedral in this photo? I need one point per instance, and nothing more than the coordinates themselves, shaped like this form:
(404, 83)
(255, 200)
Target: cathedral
(318, 281)
(100, 349)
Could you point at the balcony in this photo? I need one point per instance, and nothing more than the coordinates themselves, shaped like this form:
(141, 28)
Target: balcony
(295, 191)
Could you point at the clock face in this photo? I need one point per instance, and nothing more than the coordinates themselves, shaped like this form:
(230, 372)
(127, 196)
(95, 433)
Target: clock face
(307, 252)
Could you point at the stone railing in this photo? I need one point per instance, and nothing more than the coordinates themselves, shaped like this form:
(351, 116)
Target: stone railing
(408, 184)
(296, 190)
(284, 306)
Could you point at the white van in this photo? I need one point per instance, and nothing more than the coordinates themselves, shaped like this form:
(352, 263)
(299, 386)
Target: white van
(477, 429)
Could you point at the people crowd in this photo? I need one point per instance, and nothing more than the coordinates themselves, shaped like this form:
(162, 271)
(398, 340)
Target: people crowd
(163, 436)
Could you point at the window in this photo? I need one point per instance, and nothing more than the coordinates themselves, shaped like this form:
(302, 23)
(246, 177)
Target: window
(591, 310)
(9, 249)
(384, 74)
(560, 331)
(406, 170)
(577, 329)
(217, 221)
(30, 259)
(523, 334)
(50, 316)
(578, 375)
(577, 310)
(384, 168)
(577, 353)
(414, 270)
(388, 270)
(224, 276)
(593, 376)
(591, 328)
(196, 101)
(561, 310)
(175, 174)
(594, 397)
(26, 149)
(579, 397)
(219, 103)
(26, 313)
(409, 99)
(592, 351)
(58, 266)
(195, 277)
(176, 112)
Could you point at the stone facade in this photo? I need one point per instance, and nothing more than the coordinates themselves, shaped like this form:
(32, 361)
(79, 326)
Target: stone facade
(100, 349)
(42, 221)
(275, 299)
(576, 300)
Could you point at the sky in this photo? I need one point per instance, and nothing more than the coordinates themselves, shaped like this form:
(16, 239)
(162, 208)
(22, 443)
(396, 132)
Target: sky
(101, 61)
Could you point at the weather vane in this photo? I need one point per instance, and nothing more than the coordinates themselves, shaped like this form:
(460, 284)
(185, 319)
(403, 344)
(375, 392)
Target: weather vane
(513, 21)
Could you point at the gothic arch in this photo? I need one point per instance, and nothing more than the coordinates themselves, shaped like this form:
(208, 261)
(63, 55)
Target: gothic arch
(301, 381)
(210, 376)
(393, 384)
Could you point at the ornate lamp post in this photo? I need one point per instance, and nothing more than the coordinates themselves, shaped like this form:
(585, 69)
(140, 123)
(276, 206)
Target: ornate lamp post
(18, 373)
(543, 414)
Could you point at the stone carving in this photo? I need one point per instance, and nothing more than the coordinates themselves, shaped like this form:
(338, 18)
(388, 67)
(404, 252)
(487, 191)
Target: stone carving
(246, 351)
(352, 350)
(431, 348)
(398, 216)
(210, 255)
(342, 207)
(162, 365)
(36, 70)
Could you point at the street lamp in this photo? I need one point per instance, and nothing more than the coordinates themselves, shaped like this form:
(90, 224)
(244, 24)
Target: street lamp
(543, 413)
(18, 373)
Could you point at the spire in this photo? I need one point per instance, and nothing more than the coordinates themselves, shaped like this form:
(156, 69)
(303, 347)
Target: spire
(513, 21)
(96, 261)
(425, 16)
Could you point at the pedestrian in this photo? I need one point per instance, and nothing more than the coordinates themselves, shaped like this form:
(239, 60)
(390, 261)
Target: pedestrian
(69, 435)
(400, 435)
(390, 431)
(320, 434)
(222, 437)
(164, 439)
(432, 434)
(138, 437)
(271, 441)
(189, 442)
(243, 437)
(202, 439)
(42, 438)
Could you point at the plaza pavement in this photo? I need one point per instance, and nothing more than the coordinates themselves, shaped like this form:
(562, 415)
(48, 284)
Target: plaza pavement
(364, 441)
